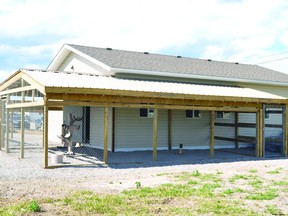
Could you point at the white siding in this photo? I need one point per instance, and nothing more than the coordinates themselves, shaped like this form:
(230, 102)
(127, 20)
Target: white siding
(55, 121)
(80, 64)
(97, 127)
(192, 133)
(135, 133)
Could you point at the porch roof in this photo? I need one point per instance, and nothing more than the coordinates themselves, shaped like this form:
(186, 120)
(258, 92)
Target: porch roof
(72, 82)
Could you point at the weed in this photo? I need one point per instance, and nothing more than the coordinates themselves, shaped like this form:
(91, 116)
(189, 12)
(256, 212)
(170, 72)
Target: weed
(273, 172)
(232, 191)
(34, 206)
(253, 171)
(280, 183)
(269, 194)
(138, 185)
(236, 177)
(273, 210)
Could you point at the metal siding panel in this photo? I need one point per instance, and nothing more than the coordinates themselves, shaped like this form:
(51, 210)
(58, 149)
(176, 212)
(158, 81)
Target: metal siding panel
(192, 133)
(135, 133)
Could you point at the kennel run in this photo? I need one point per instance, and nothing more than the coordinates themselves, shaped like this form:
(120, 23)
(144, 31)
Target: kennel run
(88, 117)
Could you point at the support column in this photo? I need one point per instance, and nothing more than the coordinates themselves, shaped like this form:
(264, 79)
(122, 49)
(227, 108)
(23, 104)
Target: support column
(236, 130)
(261, 130)
(155, 134)
(12, 124)
(45, 135)
(169, 129)
(22, 133)
(286, 132)
(212, 128)
(258, 131)
(105, 135)
(7, 131)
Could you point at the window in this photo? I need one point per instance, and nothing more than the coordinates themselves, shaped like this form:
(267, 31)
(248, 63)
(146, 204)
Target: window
(146, 113)
(223, 115)
(193, 114)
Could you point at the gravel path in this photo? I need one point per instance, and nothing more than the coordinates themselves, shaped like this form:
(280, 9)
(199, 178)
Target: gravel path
(22, 180)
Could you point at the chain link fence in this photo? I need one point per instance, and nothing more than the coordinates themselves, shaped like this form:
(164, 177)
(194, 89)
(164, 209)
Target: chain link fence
(76, 135)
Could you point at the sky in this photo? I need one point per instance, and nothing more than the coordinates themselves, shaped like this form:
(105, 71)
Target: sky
(244, 31)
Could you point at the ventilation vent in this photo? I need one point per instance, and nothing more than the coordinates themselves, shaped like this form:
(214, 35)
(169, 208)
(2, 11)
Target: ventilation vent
(146, 52)
(236, 63)
(209, 60)
(109, 48)
(179, 56)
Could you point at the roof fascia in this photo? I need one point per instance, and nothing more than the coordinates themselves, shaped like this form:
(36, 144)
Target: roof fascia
(177, 75)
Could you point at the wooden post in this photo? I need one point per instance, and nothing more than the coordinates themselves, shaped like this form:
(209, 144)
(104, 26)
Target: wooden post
(258, 131)
(212, 133)
(236, 130)
(45, 135)
(12, 124)
(169, 129)
(155, 134)
(261, 130)
(7, 131)
(113, 129)
(105, 135)
(22, 133)
(286, 132)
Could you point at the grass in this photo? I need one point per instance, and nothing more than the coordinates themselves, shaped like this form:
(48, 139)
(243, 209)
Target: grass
(191, 193)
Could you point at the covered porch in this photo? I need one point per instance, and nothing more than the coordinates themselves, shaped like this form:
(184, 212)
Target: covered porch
(45, 93)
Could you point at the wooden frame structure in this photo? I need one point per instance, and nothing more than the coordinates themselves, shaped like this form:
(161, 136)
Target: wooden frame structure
(64, 96)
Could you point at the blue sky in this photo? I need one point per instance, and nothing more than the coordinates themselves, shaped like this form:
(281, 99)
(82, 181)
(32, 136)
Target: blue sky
(245, 31)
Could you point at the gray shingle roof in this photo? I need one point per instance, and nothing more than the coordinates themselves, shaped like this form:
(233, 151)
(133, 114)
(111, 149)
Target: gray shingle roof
(173, 64)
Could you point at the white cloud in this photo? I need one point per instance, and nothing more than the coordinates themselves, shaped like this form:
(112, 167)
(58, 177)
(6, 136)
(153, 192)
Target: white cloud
(231, 30)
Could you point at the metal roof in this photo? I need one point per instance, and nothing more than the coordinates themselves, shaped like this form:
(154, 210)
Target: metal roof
(75, 80)
(180, 65)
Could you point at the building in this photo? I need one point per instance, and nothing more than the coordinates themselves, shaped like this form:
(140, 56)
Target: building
(132, 101)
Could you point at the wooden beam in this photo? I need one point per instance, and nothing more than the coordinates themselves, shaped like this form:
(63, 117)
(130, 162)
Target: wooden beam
(155, 106)
(155, 134)
(28, 104)
(212, 121)
(170, 129)
(33, 83)
(16, 76)
(45, 136)
(105, 135)
(20, 89)
(142, 100)
(22, 133)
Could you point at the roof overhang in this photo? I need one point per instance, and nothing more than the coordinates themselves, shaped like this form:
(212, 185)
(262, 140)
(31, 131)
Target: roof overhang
(195, 76)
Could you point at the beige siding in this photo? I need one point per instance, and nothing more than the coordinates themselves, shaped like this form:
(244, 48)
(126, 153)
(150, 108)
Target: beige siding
(135, 133)
(192, 133)
(80, 64)
(97, 127)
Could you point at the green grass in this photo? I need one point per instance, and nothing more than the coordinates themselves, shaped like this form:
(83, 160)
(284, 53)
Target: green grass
(272, 210)
(273, 172)
(268, 194)
(191, 193)
(23, 208)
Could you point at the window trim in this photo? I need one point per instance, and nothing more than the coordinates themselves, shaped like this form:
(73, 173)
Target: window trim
(223, 115)
(193, 114)
(149, 113)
